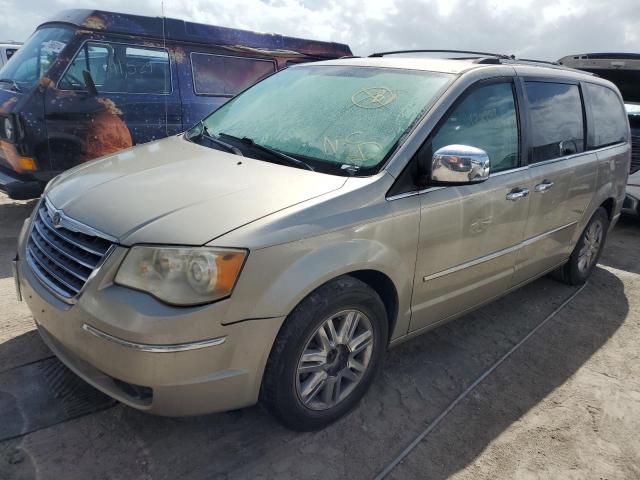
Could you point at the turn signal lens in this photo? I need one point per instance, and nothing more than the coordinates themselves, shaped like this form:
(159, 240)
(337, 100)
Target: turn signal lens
(19, 163)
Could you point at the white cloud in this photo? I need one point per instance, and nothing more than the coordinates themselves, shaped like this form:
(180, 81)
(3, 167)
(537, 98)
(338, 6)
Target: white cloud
(546, 29)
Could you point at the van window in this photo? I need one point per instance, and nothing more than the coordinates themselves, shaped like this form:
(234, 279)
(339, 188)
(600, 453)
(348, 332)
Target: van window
(557, 125)
(609, 118)
(224, 75)
(485, 119)
(33, 60)
(117, 68)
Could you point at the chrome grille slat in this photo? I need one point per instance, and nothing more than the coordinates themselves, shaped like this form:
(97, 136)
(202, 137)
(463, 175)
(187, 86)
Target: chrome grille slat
(53, 241)
(42, 275)
(50, 272)
(62, 258)
(68, 238)
(69, 268)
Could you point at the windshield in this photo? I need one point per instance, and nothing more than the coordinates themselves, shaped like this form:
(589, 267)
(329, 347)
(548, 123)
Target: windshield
(33, 59)
(336, 118)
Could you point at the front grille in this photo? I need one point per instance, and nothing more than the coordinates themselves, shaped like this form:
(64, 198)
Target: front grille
(61, 258)
(635, 151)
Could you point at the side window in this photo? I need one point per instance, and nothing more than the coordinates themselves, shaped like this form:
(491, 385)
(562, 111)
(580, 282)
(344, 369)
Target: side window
(557, 126)
(487, 119)
(117, 68)
(93, 58)
(609, 117)
(223, 75)
(147, 70)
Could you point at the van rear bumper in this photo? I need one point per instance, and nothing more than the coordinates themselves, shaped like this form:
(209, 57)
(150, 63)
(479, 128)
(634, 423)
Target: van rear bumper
(18, 188)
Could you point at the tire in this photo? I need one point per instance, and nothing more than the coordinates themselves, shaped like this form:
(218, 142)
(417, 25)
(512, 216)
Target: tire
(576, 271)
(290, 395)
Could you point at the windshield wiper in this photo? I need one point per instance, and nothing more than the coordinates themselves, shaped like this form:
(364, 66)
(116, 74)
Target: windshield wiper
(276, 153)
(204, 132)
(13, 83)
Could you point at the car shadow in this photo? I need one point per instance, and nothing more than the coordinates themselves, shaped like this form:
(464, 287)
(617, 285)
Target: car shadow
(419, 380)
(623, 249)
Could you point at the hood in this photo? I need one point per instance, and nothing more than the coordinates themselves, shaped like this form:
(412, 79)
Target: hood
(176, 192)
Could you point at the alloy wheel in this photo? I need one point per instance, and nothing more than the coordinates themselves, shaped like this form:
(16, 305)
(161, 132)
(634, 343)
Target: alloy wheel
(334, 360)
(590, 246)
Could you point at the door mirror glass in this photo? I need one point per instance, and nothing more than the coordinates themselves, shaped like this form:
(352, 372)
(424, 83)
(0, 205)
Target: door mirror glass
(460, 164)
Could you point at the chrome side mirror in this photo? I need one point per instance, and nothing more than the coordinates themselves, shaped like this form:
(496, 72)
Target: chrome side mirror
(460, 164)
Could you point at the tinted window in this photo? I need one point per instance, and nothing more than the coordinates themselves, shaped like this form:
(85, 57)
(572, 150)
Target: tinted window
(557, 127)
(609, 118)
(485, 119)
(221, 75)
(120, 68)
(10, 51)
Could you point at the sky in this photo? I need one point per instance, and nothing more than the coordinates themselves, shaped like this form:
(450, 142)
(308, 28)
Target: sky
(542, 29)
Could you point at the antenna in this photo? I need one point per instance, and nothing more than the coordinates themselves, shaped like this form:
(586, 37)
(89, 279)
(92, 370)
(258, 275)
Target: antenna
(164, 43)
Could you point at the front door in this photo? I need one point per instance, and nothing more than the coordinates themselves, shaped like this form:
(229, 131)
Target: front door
(470, 235)
(137, 101)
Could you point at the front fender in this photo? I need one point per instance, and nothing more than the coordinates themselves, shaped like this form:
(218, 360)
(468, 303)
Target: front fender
(275, 279)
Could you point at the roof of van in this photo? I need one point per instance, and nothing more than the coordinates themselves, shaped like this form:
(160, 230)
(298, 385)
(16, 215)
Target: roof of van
(409, 63)
(181, 30)
(455, 66)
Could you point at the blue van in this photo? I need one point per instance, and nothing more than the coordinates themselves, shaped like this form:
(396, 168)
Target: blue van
(89, 83)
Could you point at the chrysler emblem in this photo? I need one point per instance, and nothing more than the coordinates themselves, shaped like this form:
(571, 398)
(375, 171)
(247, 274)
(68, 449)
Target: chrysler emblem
(56, 219)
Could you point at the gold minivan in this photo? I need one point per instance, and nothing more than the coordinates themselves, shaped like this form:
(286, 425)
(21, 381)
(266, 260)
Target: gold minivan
(276, 249)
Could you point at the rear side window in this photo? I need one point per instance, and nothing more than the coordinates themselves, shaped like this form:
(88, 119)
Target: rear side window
(118, 68)
(224, 75)
(557, 124)
(609, 117)
(486, 119)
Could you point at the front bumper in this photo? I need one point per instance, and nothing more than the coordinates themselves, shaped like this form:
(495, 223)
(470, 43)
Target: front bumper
(18, 188)
(163, 360)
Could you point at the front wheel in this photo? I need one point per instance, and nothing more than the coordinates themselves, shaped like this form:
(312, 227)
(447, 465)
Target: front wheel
(587, 252)
(325, 355)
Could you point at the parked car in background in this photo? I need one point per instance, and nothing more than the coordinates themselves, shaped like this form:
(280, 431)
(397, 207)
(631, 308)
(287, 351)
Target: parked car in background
(90, 83)
(7, 49)
(276, 249)
(623, 69)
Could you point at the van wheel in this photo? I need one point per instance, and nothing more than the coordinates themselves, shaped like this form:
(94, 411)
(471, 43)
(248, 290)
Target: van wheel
(325, 355)
(587, 252)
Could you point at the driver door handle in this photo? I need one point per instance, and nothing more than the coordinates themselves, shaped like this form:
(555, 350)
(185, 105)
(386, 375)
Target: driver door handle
(544, 186)
(517, 193)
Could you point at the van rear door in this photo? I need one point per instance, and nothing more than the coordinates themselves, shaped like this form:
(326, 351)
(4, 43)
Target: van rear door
(563, 174)
(137, 101)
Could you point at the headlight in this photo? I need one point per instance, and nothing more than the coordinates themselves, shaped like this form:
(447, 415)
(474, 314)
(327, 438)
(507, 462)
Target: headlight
(182, 276)
(9, 130)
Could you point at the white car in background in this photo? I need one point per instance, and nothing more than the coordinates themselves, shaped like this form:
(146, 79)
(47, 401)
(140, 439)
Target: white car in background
(7, 49)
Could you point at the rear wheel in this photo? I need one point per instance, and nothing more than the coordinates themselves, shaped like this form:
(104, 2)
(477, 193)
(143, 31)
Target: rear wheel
(587, 252)
(325, 355)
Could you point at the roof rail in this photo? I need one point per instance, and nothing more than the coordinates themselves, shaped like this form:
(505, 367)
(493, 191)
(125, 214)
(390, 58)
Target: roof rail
(486, 58)
(537, 61)
(479, 54)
